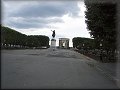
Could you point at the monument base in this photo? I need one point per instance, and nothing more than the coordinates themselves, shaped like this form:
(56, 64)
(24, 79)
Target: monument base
(53, 44)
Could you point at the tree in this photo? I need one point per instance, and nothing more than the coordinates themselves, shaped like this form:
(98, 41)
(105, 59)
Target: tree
(12, 37)
(101, 22)
(37, 41)
(79, 42)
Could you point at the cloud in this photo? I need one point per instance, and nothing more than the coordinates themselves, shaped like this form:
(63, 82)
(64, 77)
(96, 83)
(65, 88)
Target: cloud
(37, 14)
(46, 9)
(25, 23)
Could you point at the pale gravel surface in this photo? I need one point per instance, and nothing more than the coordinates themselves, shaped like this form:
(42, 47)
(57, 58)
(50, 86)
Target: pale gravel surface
(60, 69)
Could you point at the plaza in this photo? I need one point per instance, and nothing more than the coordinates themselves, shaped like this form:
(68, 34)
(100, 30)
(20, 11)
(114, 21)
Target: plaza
(47, 69)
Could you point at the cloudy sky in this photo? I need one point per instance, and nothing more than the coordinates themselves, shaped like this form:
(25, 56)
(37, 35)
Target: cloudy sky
(39, 17)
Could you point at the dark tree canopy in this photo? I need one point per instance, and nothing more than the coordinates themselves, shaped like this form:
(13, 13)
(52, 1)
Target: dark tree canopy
(12, 37)
(101, 22)
(79, 42)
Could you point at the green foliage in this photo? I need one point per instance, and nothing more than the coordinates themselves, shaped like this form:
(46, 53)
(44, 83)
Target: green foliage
(101, 22)
(37, 41)
(85, 43)
(12, 37)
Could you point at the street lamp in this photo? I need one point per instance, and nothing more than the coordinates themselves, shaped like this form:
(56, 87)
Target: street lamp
(101, 51)
(83, 44)
(83, 47)
(100, 44)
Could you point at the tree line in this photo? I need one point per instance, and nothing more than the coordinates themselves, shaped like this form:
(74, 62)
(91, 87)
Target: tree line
(101, 24)
(11, 39)
(80, 43)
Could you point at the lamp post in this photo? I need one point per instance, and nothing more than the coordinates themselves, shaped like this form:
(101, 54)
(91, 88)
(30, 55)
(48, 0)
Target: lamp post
(83, 48)
(100, 44)
(101, 52)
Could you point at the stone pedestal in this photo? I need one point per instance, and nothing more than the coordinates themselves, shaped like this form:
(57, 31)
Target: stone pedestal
(53, 43)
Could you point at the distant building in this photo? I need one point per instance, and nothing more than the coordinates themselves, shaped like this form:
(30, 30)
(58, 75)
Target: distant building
(64, 43)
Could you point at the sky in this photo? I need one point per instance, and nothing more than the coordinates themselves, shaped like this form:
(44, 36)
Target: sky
(39, 17)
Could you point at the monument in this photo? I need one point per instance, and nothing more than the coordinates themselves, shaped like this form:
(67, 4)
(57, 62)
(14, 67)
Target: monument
(64, 43)
(53, 40)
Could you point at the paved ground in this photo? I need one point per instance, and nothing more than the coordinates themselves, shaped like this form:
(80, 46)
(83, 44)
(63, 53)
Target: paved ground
(60, 69)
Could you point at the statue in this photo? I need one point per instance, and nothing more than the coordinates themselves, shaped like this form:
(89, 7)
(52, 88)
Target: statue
(53, 41)
(53, 34)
